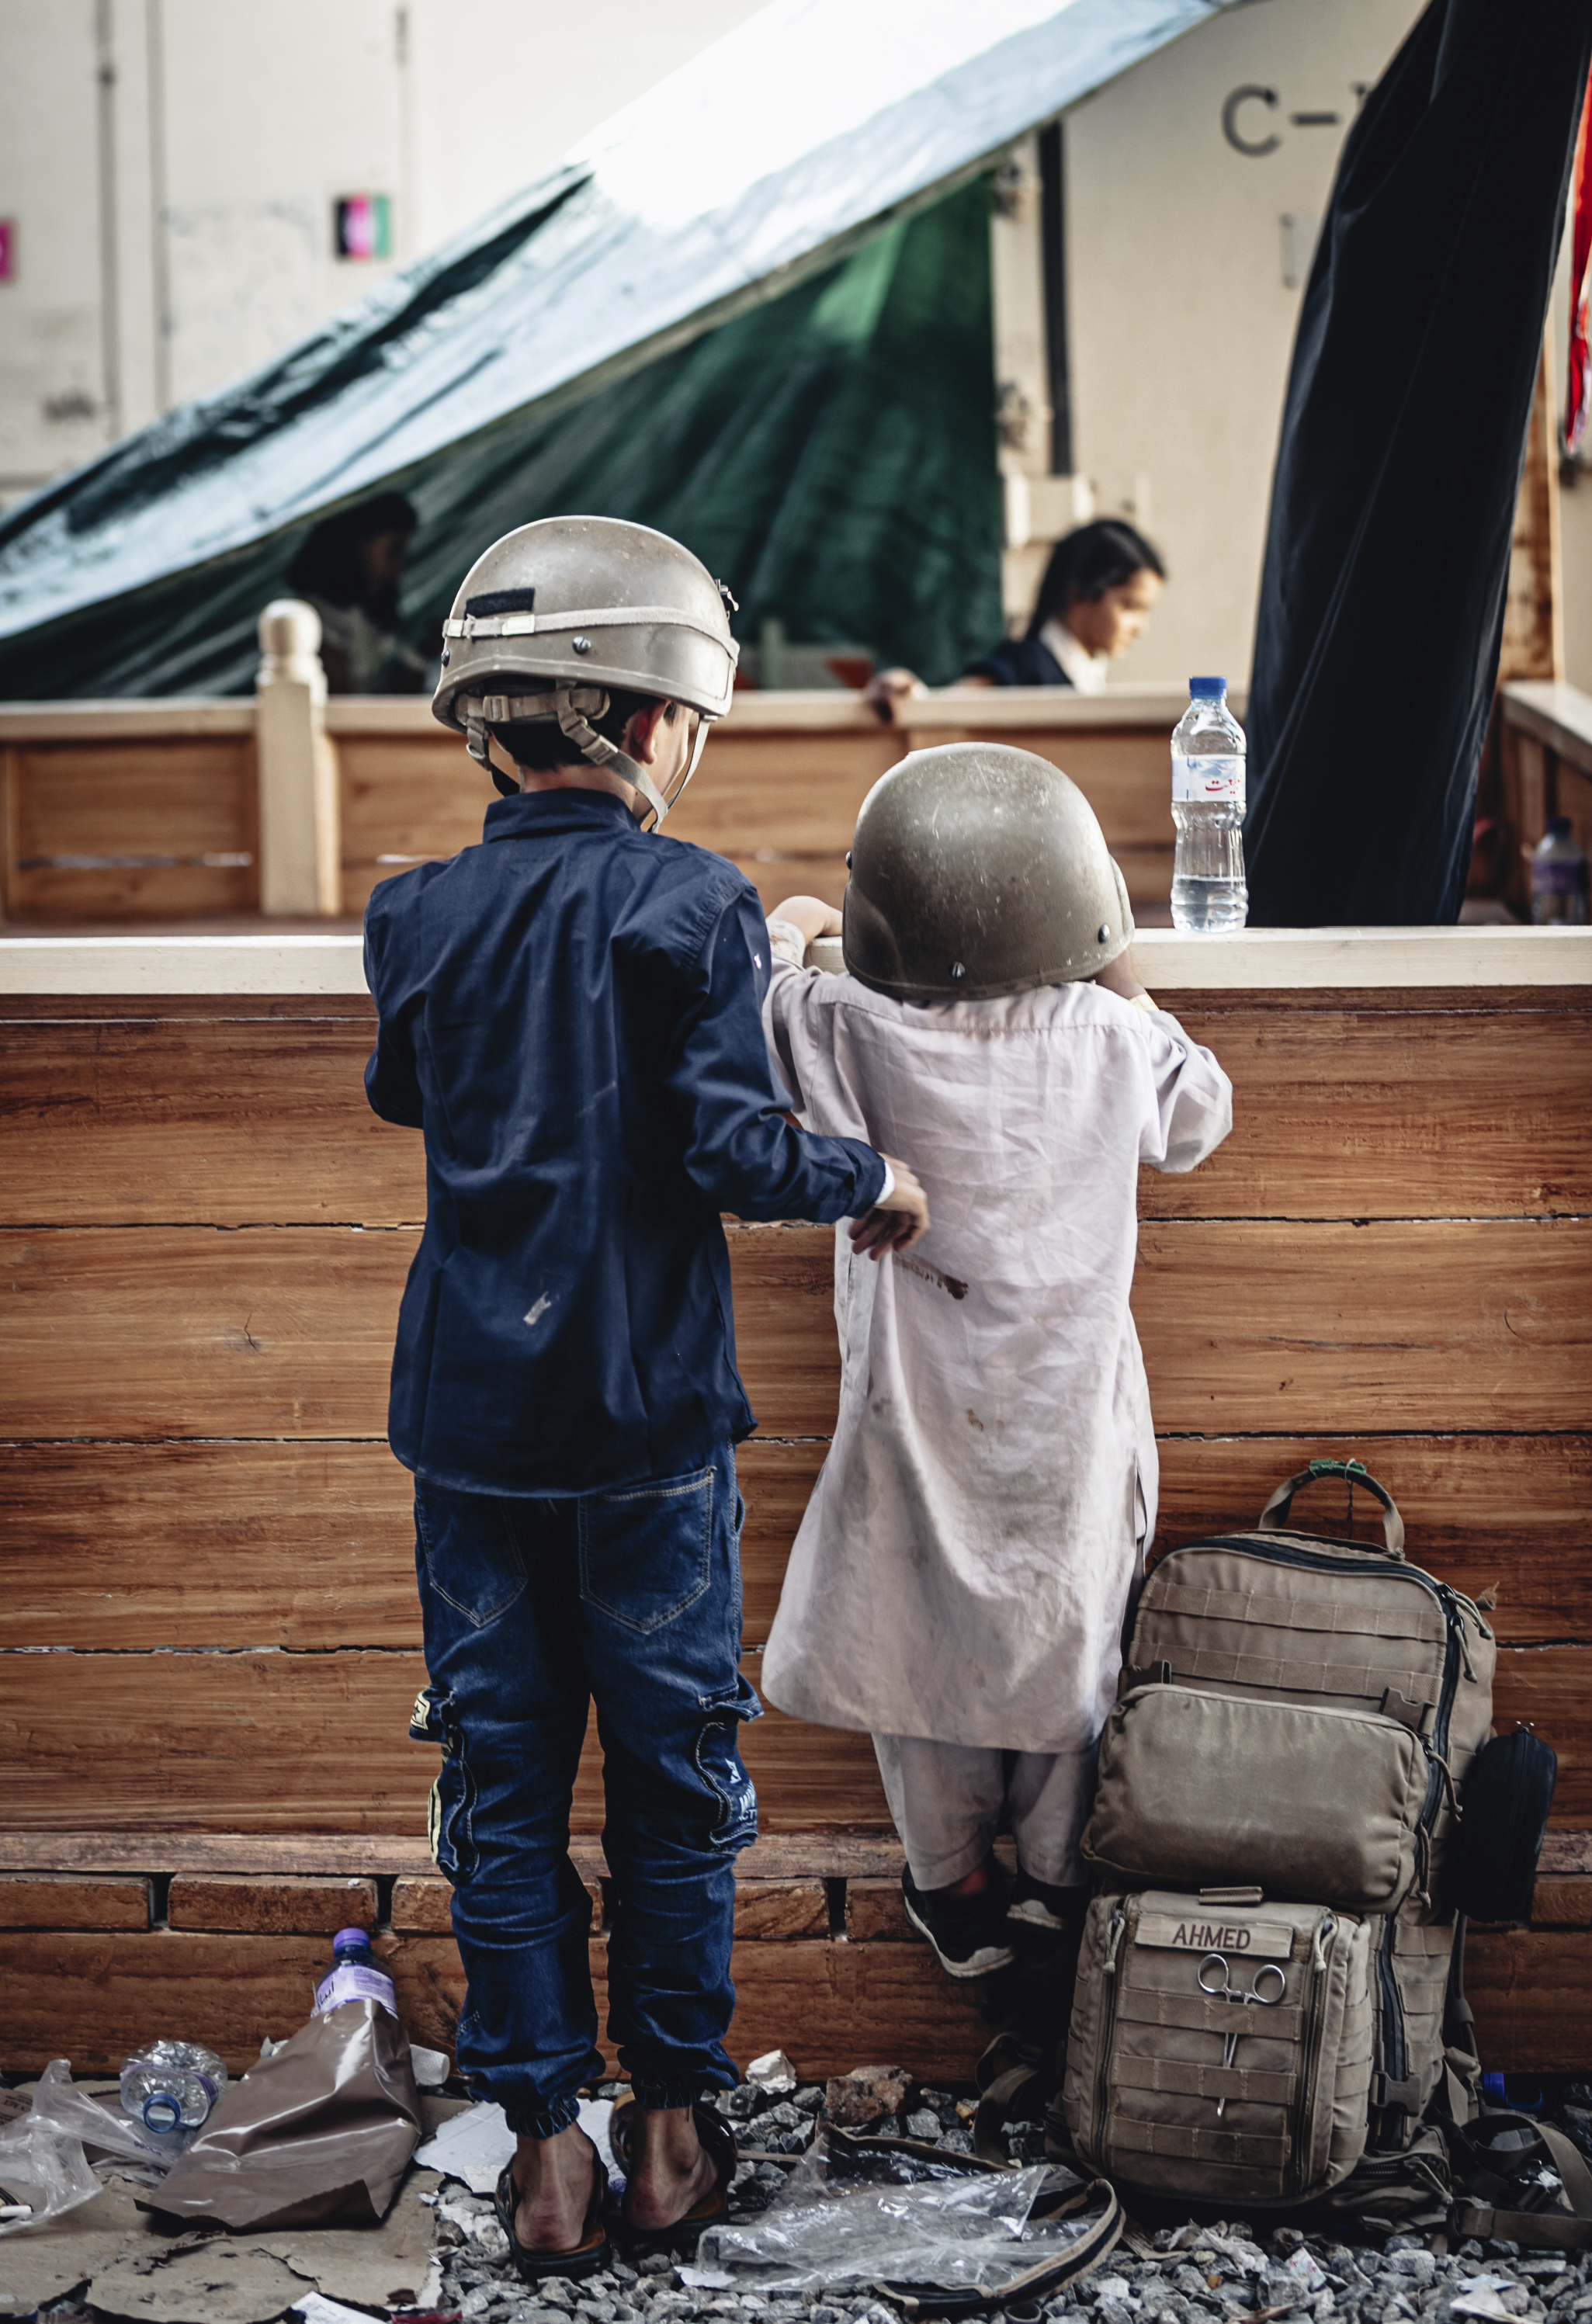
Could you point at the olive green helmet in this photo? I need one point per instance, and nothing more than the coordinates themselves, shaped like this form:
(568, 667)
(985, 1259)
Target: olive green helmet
(976, 870)
(558, 613)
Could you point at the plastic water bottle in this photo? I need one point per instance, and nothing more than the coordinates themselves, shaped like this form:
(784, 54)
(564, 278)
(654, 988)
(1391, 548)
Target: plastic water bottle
(354, 1975)
(171, 2085)
(1207, 886)
(1559, 878)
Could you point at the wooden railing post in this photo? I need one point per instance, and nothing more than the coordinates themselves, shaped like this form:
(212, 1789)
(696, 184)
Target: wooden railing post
(300, 836)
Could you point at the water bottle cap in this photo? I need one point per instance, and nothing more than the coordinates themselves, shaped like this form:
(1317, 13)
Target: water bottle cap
(353, 1940)
(1207, 688)
(1558, 827)
(161, 2110)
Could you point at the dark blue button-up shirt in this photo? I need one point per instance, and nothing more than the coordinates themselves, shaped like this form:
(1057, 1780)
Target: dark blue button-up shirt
(572, 1013)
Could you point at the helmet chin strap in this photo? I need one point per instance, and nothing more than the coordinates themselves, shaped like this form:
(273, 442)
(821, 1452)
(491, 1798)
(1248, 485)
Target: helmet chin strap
(569, 705)
(577, 728)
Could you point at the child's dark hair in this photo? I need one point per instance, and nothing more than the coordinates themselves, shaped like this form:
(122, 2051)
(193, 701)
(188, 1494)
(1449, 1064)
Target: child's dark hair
(1096, 557)
(541, 748)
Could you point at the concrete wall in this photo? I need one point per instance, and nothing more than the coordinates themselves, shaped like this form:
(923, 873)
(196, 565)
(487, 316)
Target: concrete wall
(1181, 320)
(173, 217)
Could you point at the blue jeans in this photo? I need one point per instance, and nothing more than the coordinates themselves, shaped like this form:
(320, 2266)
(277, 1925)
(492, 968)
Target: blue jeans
(531, 1610)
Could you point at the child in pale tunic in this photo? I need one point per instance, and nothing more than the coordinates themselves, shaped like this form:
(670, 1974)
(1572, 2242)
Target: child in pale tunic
(960, 1579)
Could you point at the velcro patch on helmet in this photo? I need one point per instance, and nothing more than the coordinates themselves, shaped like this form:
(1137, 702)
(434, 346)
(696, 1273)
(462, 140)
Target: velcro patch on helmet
(501, 601)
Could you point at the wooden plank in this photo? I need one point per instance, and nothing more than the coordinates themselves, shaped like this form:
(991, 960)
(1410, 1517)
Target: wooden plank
(118, 1547)
(1421, 1325)
(90, 1997)
(135, 830)
(875, 1912)
(773, 1912)
(793, 792)
(288, 1743)
(1481, 1511)
(405, 800)
(422, 1907)
(224, 1123)
(93, 1997)
(832, 2005)
(1398, 1324)
(269, 1742)
(1561, 1901)
(270, 1907)
(820, 1856)
(66, 1900)
(1531, 1992)
(1422, 1114)
(1337, 1115)
(123, 1546)
(181, 1332)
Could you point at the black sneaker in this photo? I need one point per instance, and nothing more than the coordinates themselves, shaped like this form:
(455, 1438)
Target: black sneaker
(965, 1932)
(1038, 1904)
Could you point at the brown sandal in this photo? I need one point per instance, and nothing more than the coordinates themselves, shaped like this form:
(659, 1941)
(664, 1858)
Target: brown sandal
(592, 2251)
(718, 2142)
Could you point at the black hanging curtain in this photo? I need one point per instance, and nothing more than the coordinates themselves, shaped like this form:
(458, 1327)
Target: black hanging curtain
(1398, 469)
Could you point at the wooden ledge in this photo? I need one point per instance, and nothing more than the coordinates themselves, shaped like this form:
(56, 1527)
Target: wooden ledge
(824, 1855)
(1259, 960)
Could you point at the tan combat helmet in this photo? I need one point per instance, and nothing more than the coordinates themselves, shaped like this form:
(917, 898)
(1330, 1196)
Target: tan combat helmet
(558, 613)
(976, 870)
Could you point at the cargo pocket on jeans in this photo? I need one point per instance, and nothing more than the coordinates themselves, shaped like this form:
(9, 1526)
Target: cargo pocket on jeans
(451, 1808)
(718, 1762)
(645, 1551)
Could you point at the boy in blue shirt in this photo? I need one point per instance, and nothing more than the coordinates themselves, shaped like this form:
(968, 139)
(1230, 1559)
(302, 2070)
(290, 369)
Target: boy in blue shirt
(571, 1013)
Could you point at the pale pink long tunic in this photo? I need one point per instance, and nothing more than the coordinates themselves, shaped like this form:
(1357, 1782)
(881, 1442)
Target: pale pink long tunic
(963, 1566)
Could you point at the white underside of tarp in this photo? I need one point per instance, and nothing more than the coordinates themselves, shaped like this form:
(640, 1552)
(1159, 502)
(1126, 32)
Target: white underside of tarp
(763, 158)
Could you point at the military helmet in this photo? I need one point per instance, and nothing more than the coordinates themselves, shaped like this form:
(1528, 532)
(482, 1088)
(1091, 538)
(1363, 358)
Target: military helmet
(976, 869)
(555, 614)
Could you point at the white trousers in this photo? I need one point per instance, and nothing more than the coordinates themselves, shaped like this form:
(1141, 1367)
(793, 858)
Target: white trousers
(947, 1798)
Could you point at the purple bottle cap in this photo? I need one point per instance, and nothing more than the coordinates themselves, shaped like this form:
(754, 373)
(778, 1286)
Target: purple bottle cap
(350, 1937)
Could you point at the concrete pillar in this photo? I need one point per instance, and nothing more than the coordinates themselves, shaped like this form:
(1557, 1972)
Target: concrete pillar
(300, 819)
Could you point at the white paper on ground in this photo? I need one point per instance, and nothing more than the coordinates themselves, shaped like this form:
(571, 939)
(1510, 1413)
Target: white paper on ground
(432, 2067)
(705, 2279)
(315, 2309)
(474, 2146)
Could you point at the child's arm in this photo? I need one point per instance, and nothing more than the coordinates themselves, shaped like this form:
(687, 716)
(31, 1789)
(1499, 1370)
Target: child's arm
(809, 916)
(901, 1214)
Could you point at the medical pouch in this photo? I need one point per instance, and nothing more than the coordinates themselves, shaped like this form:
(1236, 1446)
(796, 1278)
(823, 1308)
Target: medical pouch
(1492, 1869)
(1221, 2049)
(1201, 1788)
(1281, 1617)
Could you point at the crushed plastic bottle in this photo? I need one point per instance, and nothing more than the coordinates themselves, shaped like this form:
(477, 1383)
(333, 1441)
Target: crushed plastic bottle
(1209, 890)
(1559, 877)
(171, 2085)
(354, 1975)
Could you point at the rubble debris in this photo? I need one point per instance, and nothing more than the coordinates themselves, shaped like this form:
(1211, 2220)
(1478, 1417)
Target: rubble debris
(867, 2097)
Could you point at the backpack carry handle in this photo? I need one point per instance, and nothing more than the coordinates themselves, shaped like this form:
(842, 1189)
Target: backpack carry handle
(1274, 1516)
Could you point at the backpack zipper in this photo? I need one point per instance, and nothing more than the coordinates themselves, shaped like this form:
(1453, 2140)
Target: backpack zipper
(1394, 2064)
(1455, 1649)
(1321, 1947)
(1107, 2028)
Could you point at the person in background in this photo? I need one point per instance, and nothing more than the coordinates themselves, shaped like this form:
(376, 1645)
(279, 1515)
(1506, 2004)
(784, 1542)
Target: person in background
(350, 569)
(1099, 590)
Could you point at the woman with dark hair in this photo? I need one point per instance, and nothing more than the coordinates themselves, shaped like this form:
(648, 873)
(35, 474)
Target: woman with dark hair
(349, 568)
(1098, 591)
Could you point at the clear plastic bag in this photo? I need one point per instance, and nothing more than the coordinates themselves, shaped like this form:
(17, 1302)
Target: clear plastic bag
(895, 2217)
(42, 2160)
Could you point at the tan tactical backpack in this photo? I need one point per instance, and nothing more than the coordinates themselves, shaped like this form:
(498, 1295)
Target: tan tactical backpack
(1281, 1774)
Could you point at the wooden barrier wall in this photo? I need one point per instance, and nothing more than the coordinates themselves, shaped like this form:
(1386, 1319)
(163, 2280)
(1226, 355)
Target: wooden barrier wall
(210, 1635)
(121, 812)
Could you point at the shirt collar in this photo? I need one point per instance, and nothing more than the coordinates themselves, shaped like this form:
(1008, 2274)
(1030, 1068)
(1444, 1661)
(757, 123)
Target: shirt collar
(536, 815)
(1087, 670)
